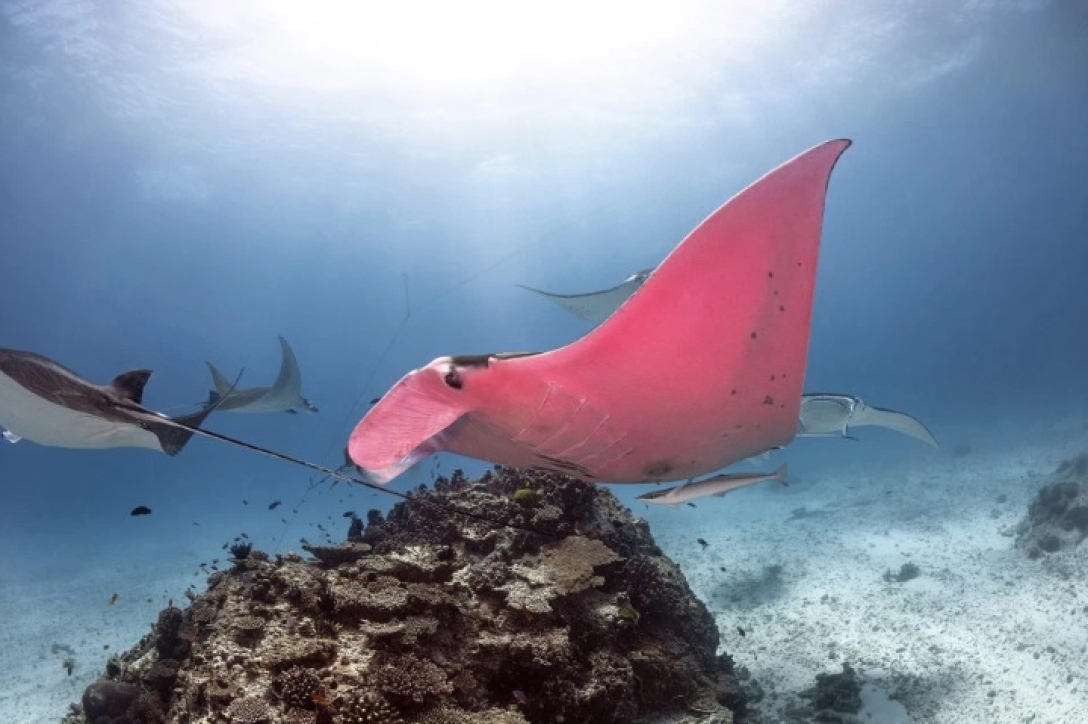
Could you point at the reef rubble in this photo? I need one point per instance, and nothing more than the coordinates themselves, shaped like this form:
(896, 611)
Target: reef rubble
(1057, 520)
(569, 612)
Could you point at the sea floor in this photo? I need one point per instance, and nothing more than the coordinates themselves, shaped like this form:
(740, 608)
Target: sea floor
(797, 578)
(799, 584)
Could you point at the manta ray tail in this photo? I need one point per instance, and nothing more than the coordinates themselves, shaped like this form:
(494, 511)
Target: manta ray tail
(174, 438)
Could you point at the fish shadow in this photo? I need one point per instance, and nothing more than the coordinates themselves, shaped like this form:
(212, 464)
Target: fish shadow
(751, 589)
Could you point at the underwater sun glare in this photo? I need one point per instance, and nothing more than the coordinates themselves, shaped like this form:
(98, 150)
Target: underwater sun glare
(436, 45)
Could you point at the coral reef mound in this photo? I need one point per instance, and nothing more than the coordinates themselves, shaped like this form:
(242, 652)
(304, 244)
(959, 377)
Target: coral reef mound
(1058, 517)
(568, 612)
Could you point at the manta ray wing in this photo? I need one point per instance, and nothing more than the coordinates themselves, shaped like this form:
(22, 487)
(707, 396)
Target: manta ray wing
(595, 307)
(702, 368)
(892, 420)
(288, 384)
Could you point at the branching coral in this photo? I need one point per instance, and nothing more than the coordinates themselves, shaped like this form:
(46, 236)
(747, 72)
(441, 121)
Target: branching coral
(410, 680)
(249, 710)
(366, 708)
(300, 688)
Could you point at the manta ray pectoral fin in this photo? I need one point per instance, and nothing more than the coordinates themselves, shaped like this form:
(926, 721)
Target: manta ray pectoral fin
(222, 384)
(892, 420)
(290, 377)
(595, 307)
(405, 428)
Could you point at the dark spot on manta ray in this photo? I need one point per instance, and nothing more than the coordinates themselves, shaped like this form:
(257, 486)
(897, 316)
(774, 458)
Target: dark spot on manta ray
(658, 469)
(733, 391)
(140, 510)
(753, 335)
(768, 400)
(452, 379)
(781, 308)
(770, 275)
(772, 378)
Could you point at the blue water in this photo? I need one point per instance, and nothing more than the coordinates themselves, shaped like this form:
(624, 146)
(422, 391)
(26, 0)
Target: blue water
(174, 190)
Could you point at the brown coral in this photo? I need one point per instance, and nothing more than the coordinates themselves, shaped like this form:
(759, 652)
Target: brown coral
(366, 708)
(299, 688)
(409, 680)
(449, 620)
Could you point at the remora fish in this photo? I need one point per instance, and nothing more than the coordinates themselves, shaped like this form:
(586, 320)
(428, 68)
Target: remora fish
(716, 486)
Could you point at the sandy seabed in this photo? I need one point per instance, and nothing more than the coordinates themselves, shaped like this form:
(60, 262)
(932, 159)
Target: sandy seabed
(982, 634)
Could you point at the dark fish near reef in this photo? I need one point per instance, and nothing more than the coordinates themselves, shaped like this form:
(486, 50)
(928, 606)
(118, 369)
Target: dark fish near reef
(713, 349)
(274, 504)
(141, 510)
(702, 542)
(113, 600)
(49, 404)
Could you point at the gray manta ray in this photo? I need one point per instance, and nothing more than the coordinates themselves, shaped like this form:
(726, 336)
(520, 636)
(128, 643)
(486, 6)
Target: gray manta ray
(826, 414)
(49, 404)
(285, 394)
(595, 307)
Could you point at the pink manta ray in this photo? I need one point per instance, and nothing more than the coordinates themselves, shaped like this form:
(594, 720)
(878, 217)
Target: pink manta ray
(702, 367)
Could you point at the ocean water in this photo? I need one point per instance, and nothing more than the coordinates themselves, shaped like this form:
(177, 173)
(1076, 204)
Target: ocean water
(181, 183)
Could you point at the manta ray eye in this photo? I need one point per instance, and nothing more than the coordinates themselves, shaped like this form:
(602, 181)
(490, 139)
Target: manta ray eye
(454, 380)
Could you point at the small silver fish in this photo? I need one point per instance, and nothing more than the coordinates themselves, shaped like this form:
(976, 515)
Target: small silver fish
(716, 486)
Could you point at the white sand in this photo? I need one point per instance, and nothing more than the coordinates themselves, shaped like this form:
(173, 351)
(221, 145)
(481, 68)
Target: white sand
(982, 635)
(53, 619)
